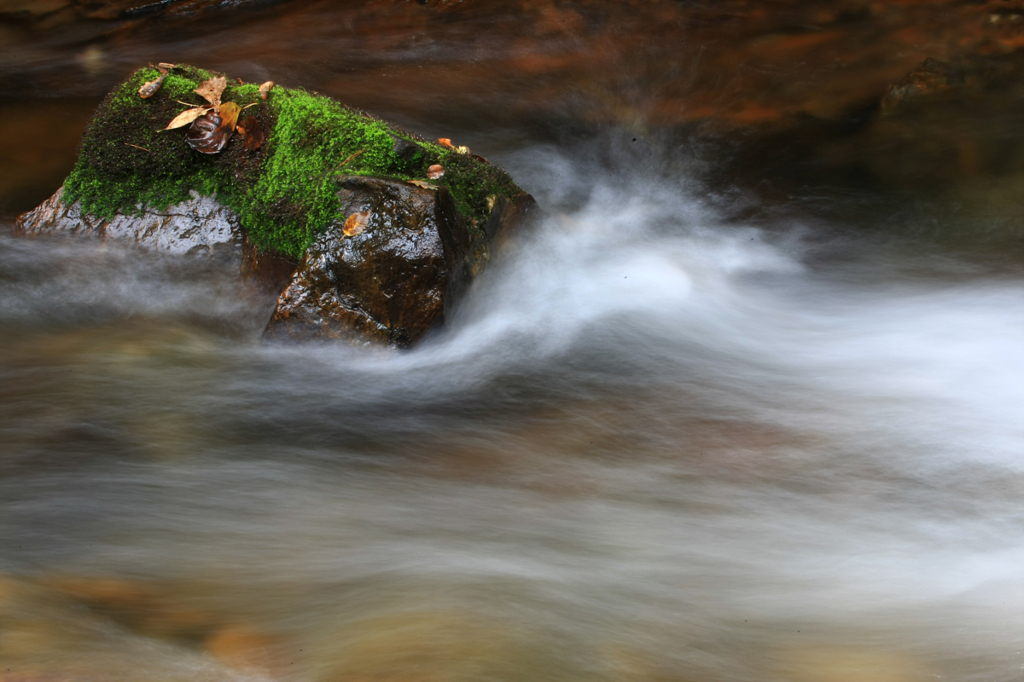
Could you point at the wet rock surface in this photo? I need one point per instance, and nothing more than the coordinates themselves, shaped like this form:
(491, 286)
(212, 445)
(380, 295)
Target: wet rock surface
(386, 248)
(200, 225)
(390, 283)
(394, 280)
(57, 12)
(942, 125)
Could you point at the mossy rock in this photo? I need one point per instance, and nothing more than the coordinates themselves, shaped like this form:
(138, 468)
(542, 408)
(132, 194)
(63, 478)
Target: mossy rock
(289, 204)
(285, 193)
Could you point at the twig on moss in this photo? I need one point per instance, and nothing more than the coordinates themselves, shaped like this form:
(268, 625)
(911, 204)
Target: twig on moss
(138, 147)
(350, 157)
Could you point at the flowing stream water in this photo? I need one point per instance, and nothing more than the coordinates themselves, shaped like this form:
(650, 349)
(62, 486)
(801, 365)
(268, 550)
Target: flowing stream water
(657, 442)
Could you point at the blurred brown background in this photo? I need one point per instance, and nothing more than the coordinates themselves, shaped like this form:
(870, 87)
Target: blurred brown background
(790, 93)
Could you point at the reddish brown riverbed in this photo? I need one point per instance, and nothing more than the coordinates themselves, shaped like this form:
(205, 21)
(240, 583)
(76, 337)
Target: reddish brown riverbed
(744, 408)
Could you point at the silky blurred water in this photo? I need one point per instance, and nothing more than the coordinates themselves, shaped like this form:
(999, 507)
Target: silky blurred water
(655, 443)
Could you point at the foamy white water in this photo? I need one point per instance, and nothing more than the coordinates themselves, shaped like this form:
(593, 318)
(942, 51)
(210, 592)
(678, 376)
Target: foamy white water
(653, 444)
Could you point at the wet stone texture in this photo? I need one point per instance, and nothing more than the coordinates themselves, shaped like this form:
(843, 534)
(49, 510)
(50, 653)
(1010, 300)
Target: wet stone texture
(396, 257)
(199, 225)
(389, 281)
(392, 281)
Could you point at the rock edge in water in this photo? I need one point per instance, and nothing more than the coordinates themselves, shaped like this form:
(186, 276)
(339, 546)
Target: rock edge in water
(199, 225)
(397, 278)
(381, 256)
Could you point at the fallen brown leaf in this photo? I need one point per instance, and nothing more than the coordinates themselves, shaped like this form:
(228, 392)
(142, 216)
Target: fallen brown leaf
(356, 223)
(265, 89)
(149, 89)
(209, 133)
(186, 117)
(445, 142)
(212, 89)
(422, 183)
(435, 171)
(252, 133)
(203, 134)
(164, 67)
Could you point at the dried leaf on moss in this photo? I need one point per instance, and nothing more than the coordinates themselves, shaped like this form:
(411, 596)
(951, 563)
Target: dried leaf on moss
(212, 89)
(186, 117)
(462, 150)
(265, 89)
(445, 142)
(356, 223)
(149, 89)
(252, 133)
(203, 134)
(164, 67)
(229, 114)
(422, 183)
(210, 133)
(435, 171)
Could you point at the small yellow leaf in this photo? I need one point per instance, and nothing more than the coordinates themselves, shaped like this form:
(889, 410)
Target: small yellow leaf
(229, 114)
(356, 223)
(186, 117)
(435, 171)
(462, 150)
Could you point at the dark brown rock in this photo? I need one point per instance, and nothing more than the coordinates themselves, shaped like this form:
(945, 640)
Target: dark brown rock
(390, 283)
(270, 271)
(395, 280)
(931, 77)
(947, 123)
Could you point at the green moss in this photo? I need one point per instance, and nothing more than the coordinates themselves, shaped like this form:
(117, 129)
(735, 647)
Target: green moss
(286, 192)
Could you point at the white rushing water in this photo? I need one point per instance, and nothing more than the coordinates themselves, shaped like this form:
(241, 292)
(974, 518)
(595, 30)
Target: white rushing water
(652, 445)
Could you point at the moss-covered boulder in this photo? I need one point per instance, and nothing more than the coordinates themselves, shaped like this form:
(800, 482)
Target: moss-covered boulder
(298, 188)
